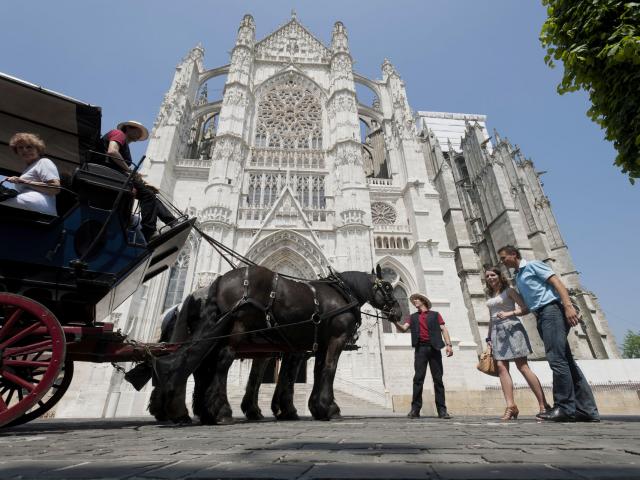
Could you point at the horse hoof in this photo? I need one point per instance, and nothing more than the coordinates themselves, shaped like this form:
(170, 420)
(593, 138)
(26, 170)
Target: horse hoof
(224, 421)
(182, 420)
(161, 418)
(291, 416)
(254, 416)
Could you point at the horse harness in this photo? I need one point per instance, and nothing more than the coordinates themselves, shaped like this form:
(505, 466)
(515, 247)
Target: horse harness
(387, 294)
(316, 317)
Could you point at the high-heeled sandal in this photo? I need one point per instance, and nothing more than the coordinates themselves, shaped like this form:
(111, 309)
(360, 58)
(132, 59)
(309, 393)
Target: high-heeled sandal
(510, 413)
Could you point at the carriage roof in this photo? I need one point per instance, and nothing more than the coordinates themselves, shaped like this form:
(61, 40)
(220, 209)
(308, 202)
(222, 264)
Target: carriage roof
(88, 253)
(68, 126)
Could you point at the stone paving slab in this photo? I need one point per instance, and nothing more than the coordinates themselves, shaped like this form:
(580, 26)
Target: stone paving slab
(349, 448)
(502, 471)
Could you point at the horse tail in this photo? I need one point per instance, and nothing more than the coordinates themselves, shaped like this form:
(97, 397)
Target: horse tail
(197, 327)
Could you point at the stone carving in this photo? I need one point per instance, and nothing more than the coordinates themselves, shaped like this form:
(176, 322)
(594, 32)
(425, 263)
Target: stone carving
(292, 41)
(235, 96)
(345, 102)
(339, 40)
(341, 68)
(388, 69)
(383, 213)
(205, 279)
(246, 32)
(228, 148)
(195, 54)
(240, 61)
(215, 213)
(349, 156)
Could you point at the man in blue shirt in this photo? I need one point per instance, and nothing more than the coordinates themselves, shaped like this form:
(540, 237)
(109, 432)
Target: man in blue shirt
(548, 298)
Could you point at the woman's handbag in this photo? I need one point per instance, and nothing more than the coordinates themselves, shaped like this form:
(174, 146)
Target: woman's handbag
(487, 363)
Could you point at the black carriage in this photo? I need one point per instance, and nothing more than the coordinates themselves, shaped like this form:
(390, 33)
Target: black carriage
(60, 276)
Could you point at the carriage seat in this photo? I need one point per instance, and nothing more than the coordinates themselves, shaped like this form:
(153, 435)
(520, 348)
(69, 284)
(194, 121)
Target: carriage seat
(66, 199)
(99, 185)
(8, 213)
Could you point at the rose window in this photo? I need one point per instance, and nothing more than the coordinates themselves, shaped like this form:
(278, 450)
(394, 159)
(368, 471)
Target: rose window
(383, 213)
(289, 116)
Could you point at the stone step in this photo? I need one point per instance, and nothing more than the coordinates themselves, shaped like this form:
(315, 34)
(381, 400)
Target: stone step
(349, 404)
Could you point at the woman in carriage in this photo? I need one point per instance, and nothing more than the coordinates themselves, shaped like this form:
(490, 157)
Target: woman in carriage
(39, 183)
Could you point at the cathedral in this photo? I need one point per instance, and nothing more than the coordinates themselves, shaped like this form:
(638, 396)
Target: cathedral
(289, 167)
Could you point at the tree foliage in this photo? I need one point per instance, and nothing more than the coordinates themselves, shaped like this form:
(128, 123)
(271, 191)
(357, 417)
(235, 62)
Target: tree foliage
(631, 345)
(598, 41)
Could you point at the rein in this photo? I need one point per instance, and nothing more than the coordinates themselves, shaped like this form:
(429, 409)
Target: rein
(334, 279)
(228, 254)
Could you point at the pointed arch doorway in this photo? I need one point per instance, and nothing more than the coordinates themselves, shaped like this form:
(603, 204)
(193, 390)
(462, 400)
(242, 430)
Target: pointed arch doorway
(288, 262)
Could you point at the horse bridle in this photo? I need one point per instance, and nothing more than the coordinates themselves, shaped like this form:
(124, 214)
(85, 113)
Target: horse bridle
(387, 294)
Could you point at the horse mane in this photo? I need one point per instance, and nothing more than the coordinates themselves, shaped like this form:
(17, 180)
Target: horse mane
(358, 281)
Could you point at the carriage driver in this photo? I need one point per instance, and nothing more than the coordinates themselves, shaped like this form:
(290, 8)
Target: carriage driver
(116, 145)
(427, 329)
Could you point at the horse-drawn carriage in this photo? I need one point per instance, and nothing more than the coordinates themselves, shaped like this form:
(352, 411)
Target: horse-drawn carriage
(60, 276)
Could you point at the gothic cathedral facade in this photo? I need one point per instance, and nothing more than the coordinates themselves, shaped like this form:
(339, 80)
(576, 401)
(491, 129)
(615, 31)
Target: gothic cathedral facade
(291, 169)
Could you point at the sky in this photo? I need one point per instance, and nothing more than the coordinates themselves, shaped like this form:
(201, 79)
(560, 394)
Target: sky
(480, 56)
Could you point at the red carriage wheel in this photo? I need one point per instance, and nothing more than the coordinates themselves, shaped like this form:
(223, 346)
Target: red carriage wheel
(32, 351)
(50, 398)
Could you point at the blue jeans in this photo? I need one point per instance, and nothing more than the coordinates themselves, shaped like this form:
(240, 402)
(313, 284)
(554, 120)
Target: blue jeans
(571, 392)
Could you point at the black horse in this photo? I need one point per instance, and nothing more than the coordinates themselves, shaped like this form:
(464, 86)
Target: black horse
(282, 401)
(249, 311)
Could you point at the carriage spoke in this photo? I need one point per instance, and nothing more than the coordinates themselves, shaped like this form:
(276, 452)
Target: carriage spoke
(19, 381)
(10, 396)
(24, 333)
(6, 328)
(27, 363)
(32, 351)
(28, 349)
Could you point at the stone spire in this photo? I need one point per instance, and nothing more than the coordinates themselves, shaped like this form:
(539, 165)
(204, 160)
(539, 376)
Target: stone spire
(339, 39)
(497, 137)
(246, 32)
(388, 70)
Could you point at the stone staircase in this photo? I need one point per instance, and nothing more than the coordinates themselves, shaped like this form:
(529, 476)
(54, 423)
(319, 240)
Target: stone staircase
(350, 405)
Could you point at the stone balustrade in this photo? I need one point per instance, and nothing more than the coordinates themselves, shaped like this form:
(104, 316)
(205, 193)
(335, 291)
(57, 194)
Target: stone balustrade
(255, 215)
(391, 228)
(386, 182)
(192, 168)
(287, 158)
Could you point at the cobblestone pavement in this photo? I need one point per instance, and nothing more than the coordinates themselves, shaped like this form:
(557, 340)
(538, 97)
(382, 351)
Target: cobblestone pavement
(349, 448)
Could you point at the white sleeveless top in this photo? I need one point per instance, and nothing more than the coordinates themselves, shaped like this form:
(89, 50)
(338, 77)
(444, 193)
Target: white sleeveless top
(501, 303)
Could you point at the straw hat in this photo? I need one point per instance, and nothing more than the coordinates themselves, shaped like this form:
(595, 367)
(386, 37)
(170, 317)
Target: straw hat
(138, 125)
(422, 298)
